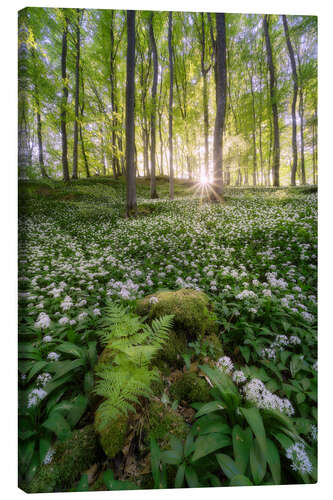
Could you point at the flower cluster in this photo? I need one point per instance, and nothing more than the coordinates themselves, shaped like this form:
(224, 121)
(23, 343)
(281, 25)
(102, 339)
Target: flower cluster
(256, 392)
(300, 461)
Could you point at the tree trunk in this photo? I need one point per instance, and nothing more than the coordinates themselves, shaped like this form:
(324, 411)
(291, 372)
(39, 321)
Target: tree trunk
(85, 159)
(130, 110)
(77, 95)
(293, 106)
(254, 142)
(301, 115)
(40, 145)
(114, 107)
(63, 115)
(273, 96)
(171, 173)
(204, 73)
(221, 85)
(153, 191)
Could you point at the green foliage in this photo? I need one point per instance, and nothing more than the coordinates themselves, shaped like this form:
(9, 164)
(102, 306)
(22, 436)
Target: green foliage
(129, 375)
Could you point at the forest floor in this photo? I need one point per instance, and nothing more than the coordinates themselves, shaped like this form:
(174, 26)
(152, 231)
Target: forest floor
(255, 256)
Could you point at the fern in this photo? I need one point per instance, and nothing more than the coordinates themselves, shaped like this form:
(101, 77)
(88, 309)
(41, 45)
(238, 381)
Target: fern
(129, 376)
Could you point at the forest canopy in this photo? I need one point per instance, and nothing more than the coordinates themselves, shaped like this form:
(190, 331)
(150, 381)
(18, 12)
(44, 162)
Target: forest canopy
(72, 95)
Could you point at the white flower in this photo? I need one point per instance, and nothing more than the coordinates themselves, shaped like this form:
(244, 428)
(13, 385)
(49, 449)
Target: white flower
(82, 315)
(268, 353)
(47, 338)
(225, 364)
(35, 396)
(72, 322)
(49, 456)
(299, 458)
(67, 303)
(256, 392)
(96, 312)
(314, 433)
(82, 303)
(63, 321)
(267, 293)
(53, 356)
(43, 378)
(124, 293)
(294, 340)
(246, 294)
(153, 300)
(43, 321)
(238, 377)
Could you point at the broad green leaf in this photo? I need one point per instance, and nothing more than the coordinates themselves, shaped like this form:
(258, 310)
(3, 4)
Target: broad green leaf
(241, 441)
(179, 481)
(63, 367)
(189, 444)
(245, 350)
(208, 443)
(26, 451)
(255, 421)
(209, 407)
(258, 462)
(155, 462)
(39, 365)
(170, 457)
(57, 424)
(240, 480)
(284, 440)
(273, 459)
(70, 348)
(83, 484)
(228, 465)
(79, 405)
(191, 477)
(44, 446)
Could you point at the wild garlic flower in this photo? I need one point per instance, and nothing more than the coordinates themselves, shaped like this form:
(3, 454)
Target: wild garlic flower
(153, 300)
(314, 433)
(225, 365)
(67, 303)
(43, 379)
(96, 312)
(268, 353)
(47, 338)
(53, 356)
(63, 321)
(43, 321)
(35, 396)
(238, 377)
(49, 456)
(82, 316)
(299, 458)
(256, 392)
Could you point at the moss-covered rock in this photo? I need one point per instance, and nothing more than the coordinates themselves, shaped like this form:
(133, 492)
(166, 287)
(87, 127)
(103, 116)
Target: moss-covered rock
(71, 458)
(191, 309)
(163, 422)
(111, 435)
(215, 345)
(190, 388)
(171, 352)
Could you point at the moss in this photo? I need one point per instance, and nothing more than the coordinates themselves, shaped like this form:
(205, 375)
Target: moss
(105, 356)
(71, 458)
(191, 310)
(112, 435)
(190, 388)
(171, 352)
(163, 422)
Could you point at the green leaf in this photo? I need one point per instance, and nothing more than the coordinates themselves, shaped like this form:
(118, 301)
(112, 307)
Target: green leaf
(44, 446)
(241, 441)
(39, 365)
(70, 348)
(179, 481)
(255, 421)
(88, 382)
(209, 407)
(189, 444)
(258, 462)
(57, 424)
(273, 459)
(63, 367)
(284, 440)
(155, 462)
(208, 443)
(240, 480)
(191, 477)
(228, 466)
(114, 484)
(245, 350)
(79, 405)
(83, 484)
(170, 457)
(26, 452)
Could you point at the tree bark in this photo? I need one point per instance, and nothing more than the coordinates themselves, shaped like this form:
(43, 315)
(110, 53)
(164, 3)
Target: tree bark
(301, 115)
(40, 144)
(63, 114)
(254, 141)
(293, 106)
(77, 95)
(153, 191)
(171, 178)
(130, 115)
(85, 159)
(273, 96)
(221, 86)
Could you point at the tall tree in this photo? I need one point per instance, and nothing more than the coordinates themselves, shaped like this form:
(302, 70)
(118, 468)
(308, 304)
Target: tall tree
(293, 105)
(63, 111)
(130, 115)
(153, 191)
(77, 92)
(221, 99)
(273, 96)
(171, 185)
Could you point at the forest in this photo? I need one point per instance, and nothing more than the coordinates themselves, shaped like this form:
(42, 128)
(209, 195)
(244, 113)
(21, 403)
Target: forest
(167, 249)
